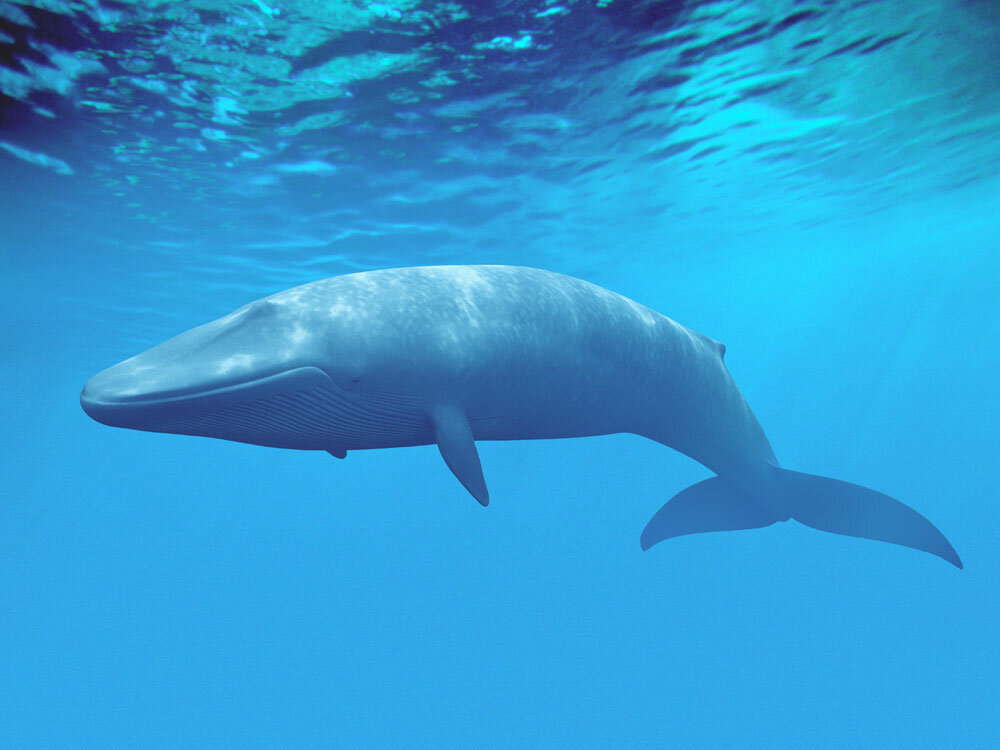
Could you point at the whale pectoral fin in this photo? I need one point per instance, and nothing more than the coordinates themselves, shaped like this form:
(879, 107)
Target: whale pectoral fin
(710, 505)
(454, 439)
(337, 452)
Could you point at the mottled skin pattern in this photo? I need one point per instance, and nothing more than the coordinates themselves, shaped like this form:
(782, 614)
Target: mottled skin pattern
(525, 353)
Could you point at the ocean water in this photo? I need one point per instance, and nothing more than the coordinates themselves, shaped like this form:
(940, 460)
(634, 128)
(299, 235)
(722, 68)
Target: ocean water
(815, 184)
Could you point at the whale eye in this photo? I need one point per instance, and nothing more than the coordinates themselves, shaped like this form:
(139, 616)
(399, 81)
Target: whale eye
(351, 384)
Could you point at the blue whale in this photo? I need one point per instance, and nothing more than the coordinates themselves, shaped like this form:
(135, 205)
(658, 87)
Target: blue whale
(453, 354)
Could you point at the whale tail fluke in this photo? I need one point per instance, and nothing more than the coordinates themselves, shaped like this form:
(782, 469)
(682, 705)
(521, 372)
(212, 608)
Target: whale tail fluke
(852, 510)
(710, 505)
(825, 504)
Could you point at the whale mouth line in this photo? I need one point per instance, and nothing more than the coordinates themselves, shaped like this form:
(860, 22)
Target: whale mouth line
(113, 412)
(182, 394)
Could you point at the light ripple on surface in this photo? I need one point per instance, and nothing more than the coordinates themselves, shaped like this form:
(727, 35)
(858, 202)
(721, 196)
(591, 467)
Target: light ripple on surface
(330, 137)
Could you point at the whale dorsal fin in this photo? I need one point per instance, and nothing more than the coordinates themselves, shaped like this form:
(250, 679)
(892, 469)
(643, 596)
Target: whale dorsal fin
(717, 345)
(454, 439)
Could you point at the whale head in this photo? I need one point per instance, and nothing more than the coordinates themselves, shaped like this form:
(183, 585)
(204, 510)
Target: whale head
(256, 376)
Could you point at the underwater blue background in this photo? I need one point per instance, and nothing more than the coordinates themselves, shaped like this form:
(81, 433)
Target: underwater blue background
(814, 184)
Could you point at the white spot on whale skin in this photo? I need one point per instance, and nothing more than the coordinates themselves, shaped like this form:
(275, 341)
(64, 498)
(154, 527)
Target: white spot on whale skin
(341, 309)
(296, 339)
(235, 362)
(642, 312)
(299, 335)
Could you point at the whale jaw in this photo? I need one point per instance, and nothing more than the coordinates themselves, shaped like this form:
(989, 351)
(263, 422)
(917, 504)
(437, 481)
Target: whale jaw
(299, 408)
(216, 412)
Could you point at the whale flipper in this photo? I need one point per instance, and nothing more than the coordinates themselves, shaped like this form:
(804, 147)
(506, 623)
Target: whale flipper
(852, 510)
(710, 505)
(454, 438)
